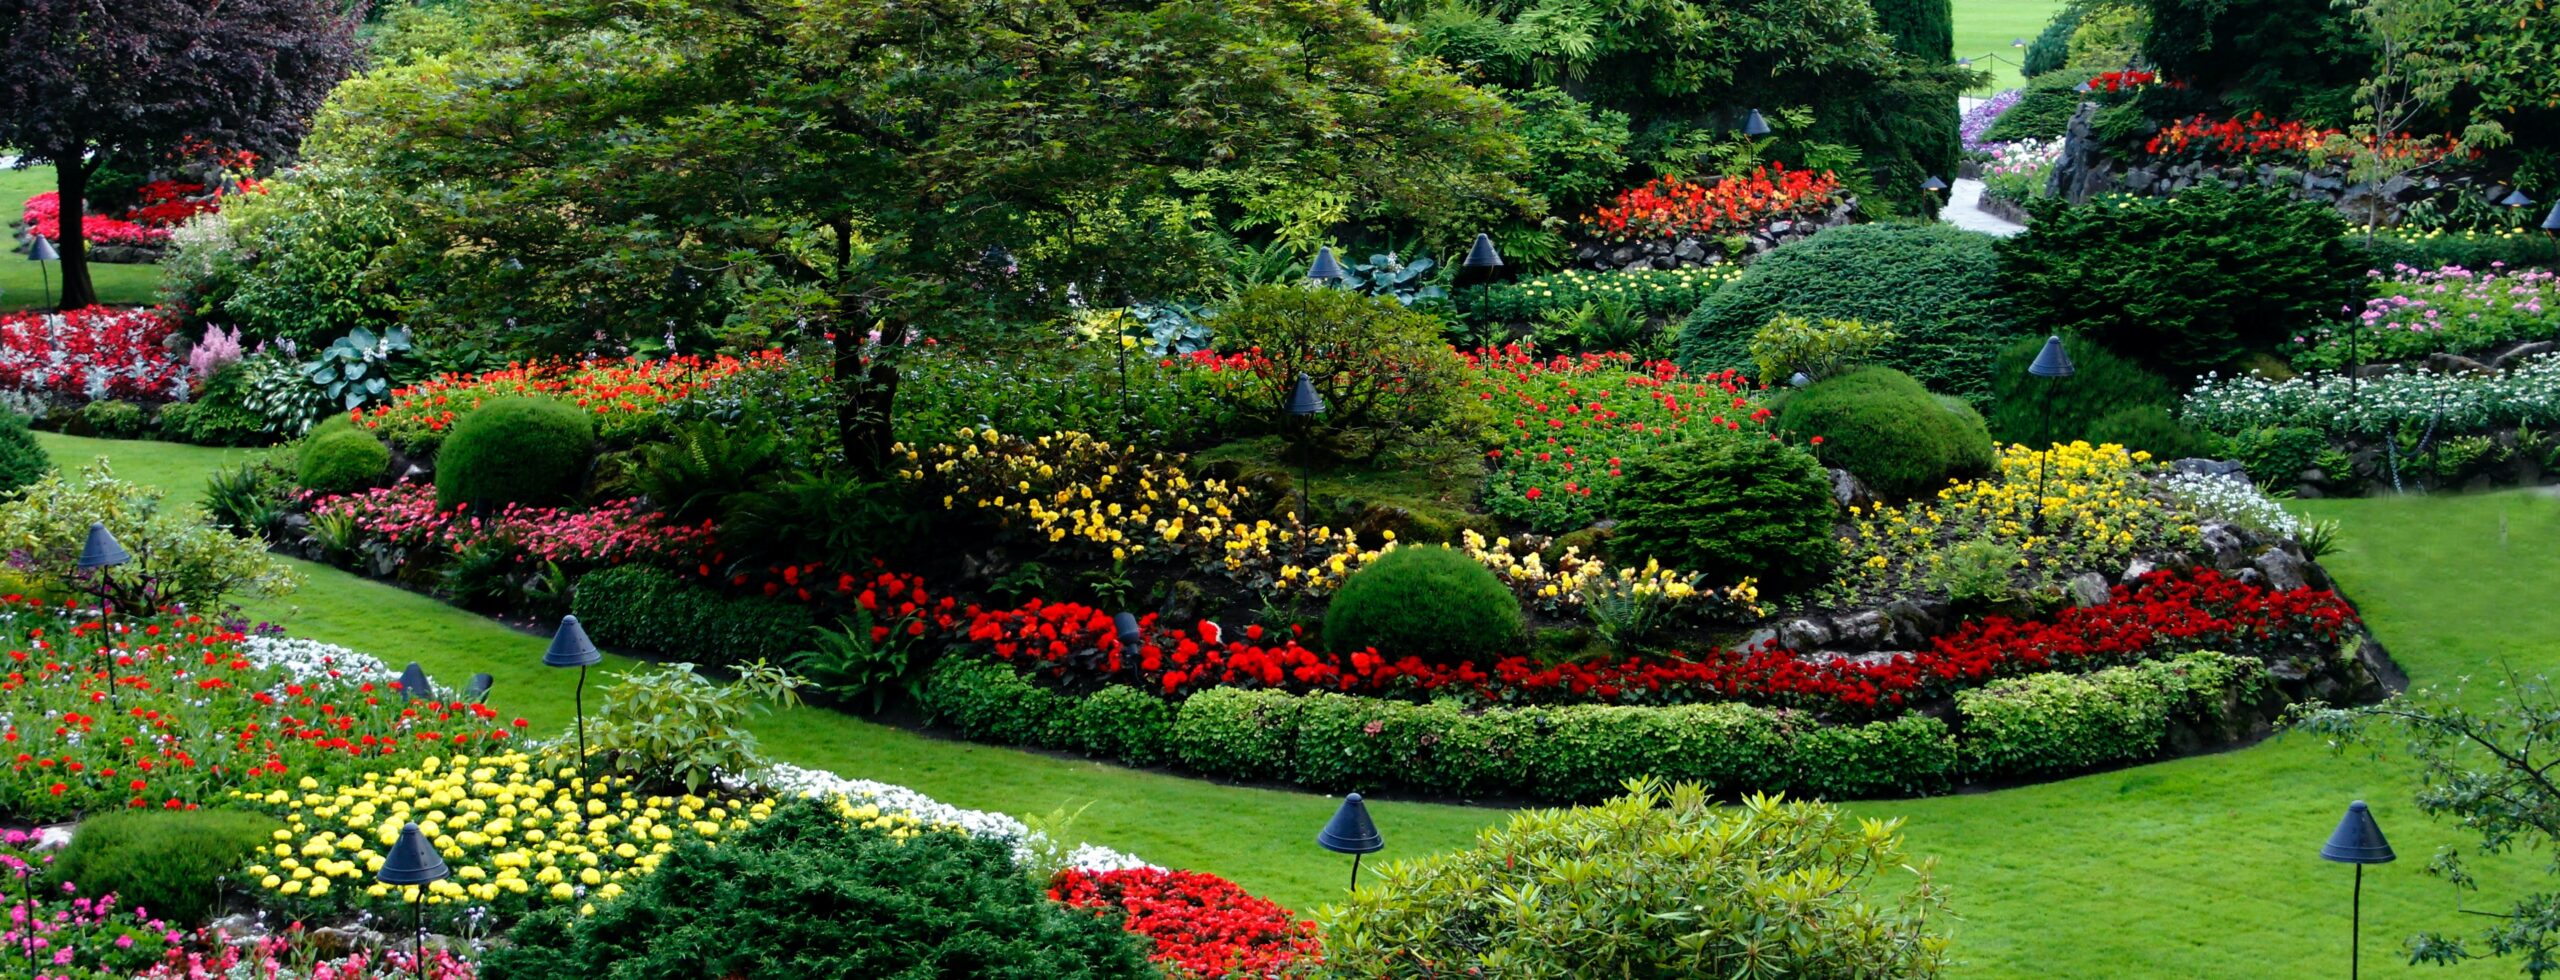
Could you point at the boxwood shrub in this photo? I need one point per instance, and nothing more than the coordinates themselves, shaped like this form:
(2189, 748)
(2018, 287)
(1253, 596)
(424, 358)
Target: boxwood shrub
(171, 862)
(651, 610)
(2060, 723)
(1879, 424)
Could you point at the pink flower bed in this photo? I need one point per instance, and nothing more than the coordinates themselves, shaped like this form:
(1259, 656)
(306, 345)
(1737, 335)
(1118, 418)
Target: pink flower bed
(90, 354)
(608, 534)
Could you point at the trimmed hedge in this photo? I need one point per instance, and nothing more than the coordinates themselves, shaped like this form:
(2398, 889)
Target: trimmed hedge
(1431, 601)
(649, 609)
(525, 450)
(171, 862)
(1335, 743)
(342, 461)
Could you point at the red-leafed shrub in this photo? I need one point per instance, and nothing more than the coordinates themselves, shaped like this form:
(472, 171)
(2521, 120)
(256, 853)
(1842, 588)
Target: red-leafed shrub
(1672, 207)
(1202, 925)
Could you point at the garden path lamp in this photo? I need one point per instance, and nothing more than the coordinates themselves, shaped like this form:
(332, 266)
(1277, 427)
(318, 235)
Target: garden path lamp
(99, 553)
(2516, 199)
(414, 863)
(1326, 271)
(1126, 625)
(2357, 841)
(2052, 364)
(1933, 185)
(40, 252)
(571, 648)
(1753, 125)
(1483, 261)
(2017, 42)
(1964, 62)
(1351, 832)
(1304, 404)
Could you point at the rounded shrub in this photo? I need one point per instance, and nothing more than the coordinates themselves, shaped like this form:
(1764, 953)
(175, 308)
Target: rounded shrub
(342, 461)
(514, 451)
(2149, 428)
(22, 459)
(2039, 412)
(1432, 602)
(1726, 507)
(170, 862)
(1935, 286)
(1882, 426)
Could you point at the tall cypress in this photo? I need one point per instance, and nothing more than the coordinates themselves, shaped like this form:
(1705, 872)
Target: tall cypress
(1912, 123)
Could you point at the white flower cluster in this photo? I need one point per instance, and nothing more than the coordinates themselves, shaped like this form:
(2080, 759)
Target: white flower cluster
(794, 780)
(313, 661)
(2527, 395)
(2234, 500)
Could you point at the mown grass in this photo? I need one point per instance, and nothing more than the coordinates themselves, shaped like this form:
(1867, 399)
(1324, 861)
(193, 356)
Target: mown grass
(1984, 29)
(23, 284)
(2200, 867)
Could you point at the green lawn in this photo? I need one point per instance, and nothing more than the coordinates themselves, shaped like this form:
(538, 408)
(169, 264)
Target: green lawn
(2199, 867)
(23, 284)
(1984, 29)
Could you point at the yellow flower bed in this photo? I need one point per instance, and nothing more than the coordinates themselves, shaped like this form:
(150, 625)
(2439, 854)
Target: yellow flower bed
(1567, 584)
(2097, 508)
(516, 838)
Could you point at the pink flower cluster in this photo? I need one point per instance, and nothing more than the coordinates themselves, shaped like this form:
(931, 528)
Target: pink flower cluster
(612, 533)
(69, 935)
(91, 354)
(280, 958)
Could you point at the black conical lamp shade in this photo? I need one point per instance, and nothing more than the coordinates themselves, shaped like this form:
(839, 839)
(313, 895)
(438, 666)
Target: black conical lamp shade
(41, 250)
(2051, 362)
(412, 861)
(2358, 840)
(1325, 269)
(414, 685)
(1303, 399)
(1753, 125)
(2551, 222)
(1350, 831)
(1933, 185)
(1481, 255)
(102, 549)
(2516, 199)
(1126, 625)
(570, 646)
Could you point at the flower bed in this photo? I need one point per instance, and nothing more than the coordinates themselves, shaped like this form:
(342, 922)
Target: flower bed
(2417, 312)
(2017, 171)
(1669, 293)
(2528, 394)
(90, 354)
(405, 516)
(1671, 207)
(624, 394)
(1978, 119)
(1202, 925)
(2259, 137)
(74, 936)
(1573, 420)
(43, 217)
(2098, 509)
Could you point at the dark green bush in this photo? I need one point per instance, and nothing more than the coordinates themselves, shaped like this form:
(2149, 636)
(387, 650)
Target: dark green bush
(2052, 46)
(642, 608)
(1880, 425)
(515, 451)
(342, 461)
(1125, 723)
(22, 459)
(1907, 756)
(1728, 506)
(170, 862)
(2151, 429)
(204, 423)
(1355, 744)
(1236, 733)
(992, 702)
(2058, 723)
(1432, 602)
(2277, 455)
(806, 894)
(1935, 285)
(114, 419)
(2185, 284)
(2468, 249)
(2039, 412)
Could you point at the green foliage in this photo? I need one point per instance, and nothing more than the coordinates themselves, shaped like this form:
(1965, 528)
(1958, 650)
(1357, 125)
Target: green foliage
(355, 370)
(2151, 429)
(2468, 249)
(114, 419)
(1125, 723)
(2275, 454)
(2291, 59)
(2058, 723)
(830, 518)
(1977, 574)
(2039, 412)
(1819, 349)
(693, 472)
(342, 461)
(1384, 371)
(272, 385)
(301, 263)
(806, 893)
(178, 556)
(1234, 732)
(641, 608)
(2109, 36)
(863, 659)
(1038, 389)
(2039, 115)
(1652, 292)
(1880, 424)
(170, 862)
(2184, 284)
(1577, 151)
(1430, 601)
(22, 460)
(1658, 882)
(525, 450)
(211, 423)
(1727, 507)
(991, 702)
(1933, 284)
(668, 726)
(2052, 46)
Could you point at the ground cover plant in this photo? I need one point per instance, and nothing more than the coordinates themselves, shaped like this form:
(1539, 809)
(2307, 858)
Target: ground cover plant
(2450, 309)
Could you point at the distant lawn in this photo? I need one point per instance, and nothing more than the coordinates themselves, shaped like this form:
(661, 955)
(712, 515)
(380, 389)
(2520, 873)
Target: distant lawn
(1984, 29)
(23, 284)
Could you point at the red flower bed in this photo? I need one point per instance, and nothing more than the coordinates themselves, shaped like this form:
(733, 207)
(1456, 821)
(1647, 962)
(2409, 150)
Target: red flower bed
(1670, 207)
(2124, 81)
(1202, 925)
(165, 204)
(2259, 135)
(622, 393)
(91, 353)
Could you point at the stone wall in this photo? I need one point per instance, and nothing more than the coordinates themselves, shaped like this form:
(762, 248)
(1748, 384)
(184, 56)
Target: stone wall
(1678, 253)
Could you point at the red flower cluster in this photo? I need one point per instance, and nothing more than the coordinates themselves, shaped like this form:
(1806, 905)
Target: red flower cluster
(91, 353)
(165, 204)
(2260, 136)
(621, 392)
(2125, 81)
(1670, 207)
(1202, 925)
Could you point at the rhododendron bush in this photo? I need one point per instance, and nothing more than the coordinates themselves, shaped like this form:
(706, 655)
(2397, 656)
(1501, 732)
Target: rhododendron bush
(90, 354)
(625, 394)
(1673, 207)
(1202, 925)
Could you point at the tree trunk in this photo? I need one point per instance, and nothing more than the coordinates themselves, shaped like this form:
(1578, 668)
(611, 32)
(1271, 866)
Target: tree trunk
(71, 179)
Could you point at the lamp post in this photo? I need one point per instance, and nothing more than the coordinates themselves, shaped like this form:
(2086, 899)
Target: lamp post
(1753, 125)
(2357, 841)
(1325, 271)
(40, 252)
(1305, 405)
(1351, 832)
(1126, 626)
(1483, 261)
(2017, 42)
(414, 863)
(101, 552)
(571, 648)
(2054, 364)
(1932, 185)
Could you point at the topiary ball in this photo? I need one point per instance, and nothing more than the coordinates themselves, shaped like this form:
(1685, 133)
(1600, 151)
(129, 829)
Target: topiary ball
(1729, 507)
(1432, 602)
(342, 461)
(515, 451)
(170, 862)
(1885, 428)
(22, 459)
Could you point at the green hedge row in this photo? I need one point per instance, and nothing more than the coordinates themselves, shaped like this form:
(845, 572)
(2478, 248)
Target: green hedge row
(2037, 725)
(651, 610)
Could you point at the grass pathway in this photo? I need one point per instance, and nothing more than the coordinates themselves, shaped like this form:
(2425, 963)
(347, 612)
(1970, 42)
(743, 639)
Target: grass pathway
(2199, 867)
(23, 284)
